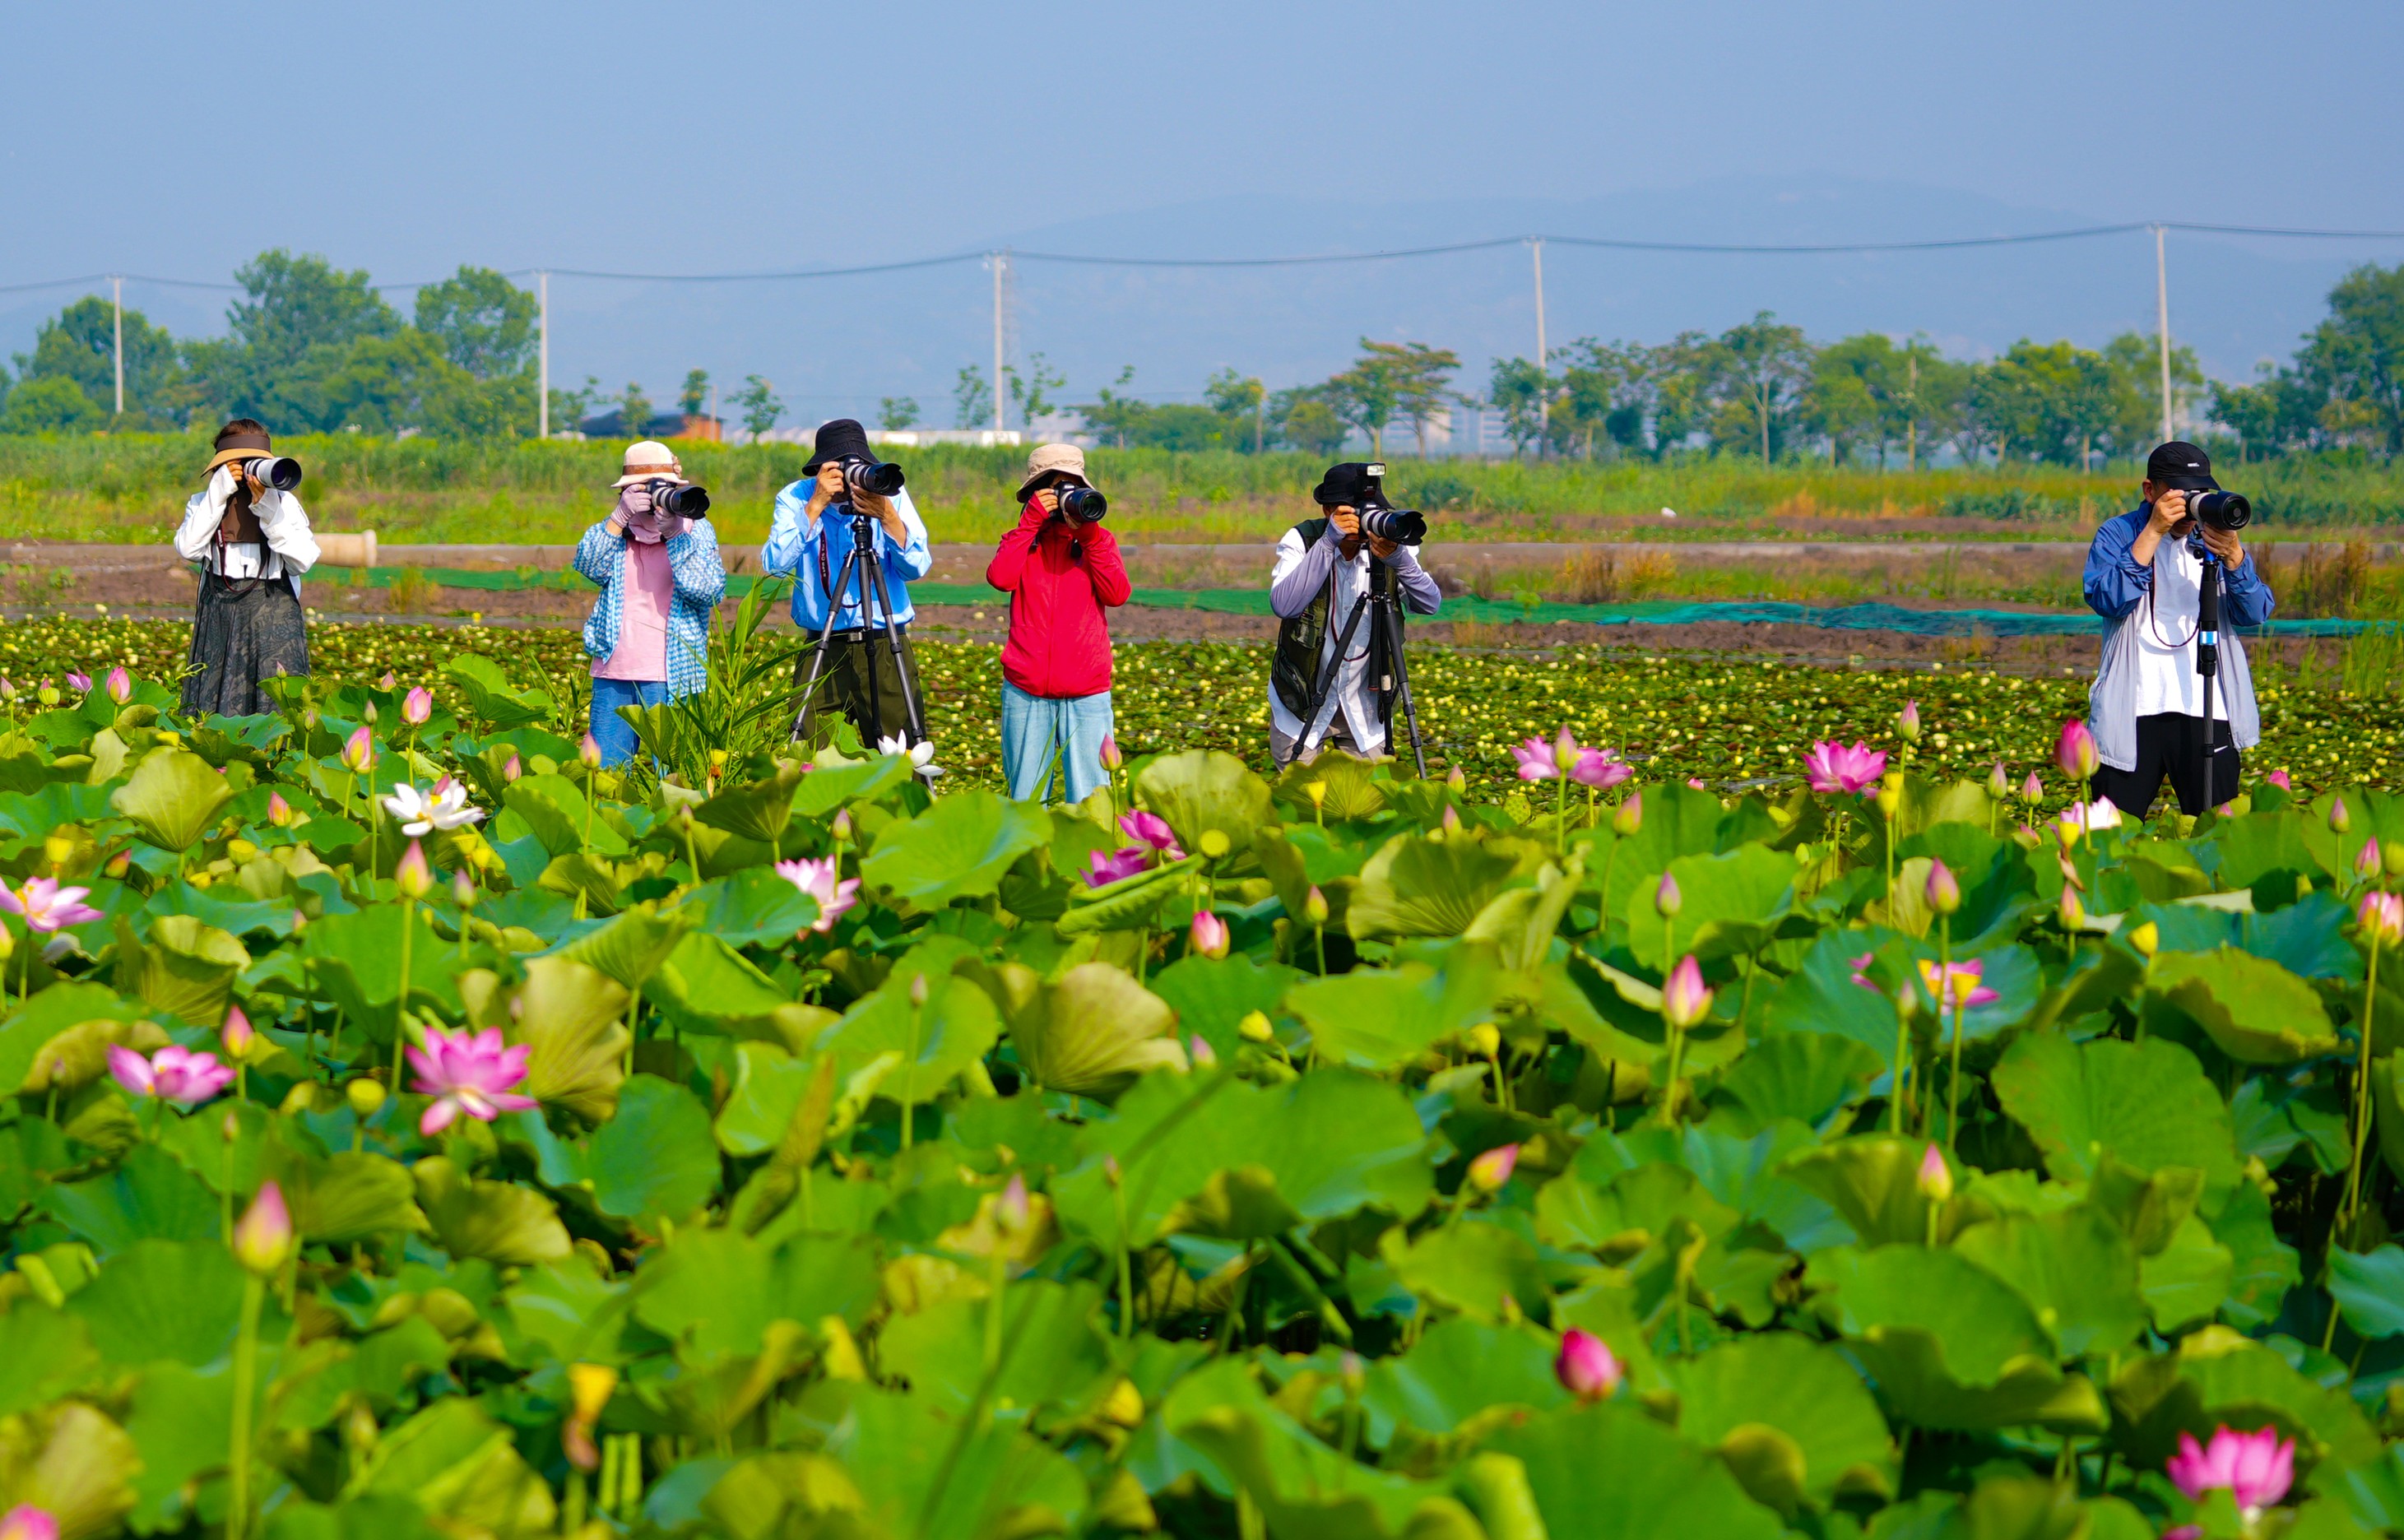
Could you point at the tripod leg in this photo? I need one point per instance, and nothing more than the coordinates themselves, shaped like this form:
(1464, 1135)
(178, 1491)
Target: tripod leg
(1335, 669)
(818, 652)
(1402, 693)
(910, 707)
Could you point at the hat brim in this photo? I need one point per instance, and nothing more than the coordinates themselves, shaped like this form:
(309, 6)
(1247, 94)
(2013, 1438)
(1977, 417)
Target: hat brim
(2188, 483)
(229, 457)
(660, 473)
(1027, 486)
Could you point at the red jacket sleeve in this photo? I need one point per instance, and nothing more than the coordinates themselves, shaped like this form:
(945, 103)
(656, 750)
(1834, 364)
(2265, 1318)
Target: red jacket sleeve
(1009, 563)
(1104, 566)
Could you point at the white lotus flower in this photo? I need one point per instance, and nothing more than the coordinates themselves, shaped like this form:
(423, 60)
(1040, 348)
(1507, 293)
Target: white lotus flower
(442, 806)
(2103, 813)
(922, 754)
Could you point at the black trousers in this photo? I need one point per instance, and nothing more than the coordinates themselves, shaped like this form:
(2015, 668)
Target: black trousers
(852, 657)
(2172, 744)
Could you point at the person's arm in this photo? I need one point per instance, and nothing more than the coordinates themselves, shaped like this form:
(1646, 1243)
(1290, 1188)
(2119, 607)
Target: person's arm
(1009, 563)
(2246, 596)
(284, 524)
(601, 554)
(2115, 580)
(199, 530)
(1301, 574)
(1104, 568)
(693, 562)
(790, 532)
(1420, 594)
(906, 556)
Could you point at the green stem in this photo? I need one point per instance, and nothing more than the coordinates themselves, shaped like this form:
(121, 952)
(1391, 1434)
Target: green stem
(1125, 1268)
(400, 1003)
(1953, 1079)
(2362, 1089)
(245, 1375)
(1895, 1093)
(1322, 931)
(1677, 1034)
(1560, 813)
(910, 1067)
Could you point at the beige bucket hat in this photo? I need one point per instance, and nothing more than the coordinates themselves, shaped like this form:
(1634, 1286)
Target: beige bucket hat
(647, 460)
(1048, 458)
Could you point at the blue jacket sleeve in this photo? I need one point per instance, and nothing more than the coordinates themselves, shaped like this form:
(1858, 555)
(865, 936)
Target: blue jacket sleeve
(789, 534)
(600, 555)
(2114, 583)
(2246, 599)
(693, 561)
(912, 558)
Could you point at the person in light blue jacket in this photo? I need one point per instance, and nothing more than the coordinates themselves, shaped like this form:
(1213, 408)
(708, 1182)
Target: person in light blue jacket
(2144, 573)
(660, 577)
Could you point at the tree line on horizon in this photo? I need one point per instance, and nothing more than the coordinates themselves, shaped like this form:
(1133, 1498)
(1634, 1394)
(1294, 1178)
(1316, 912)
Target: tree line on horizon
(312, 348)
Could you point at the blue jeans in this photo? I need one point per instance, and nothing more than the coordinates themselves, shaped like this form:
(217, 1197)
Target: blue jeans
(612, 731)
(1034, 727)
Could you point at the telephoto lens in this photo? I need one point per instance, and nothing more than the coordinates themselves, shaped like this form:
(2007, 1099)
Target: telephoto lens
(1402, 525)
(678, 499)
(1083, 504)
(2225, 511)
(277, 471)
(876, 477)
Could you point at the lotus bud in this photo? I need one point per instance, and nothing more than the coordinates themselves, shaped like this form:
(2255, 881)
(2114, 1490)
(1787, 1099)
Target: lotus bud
(1314, 907)
(463, 888)
(1586, 1368)
(365, 1096)
(1317, 791)
(388, 681)
(1110, 1172)
(1209, 937)
(1212, 844)
(589, 752)
(1450, 821)
(1485, 1039)
(589, 1388)
(1011, 1213)
(1110, 757)
(2076, 750)
(279, 812)
(262, 1236)
(58, 849)
(1666, 899)
(416, 705)
(237, 1033)
(1630, 817)
(1492, 1170)
(2032, 789)
(8, 688)
(2339, 819)
(2073, 914)
(369, 712)
(27, 1523)
(359, 750)
(2146, 938)
(2366, 861)
(1890, 801)
(2381, 918)
(1906, 721)
(119, 865)
(1944, 890)
(513, 768)
(228, 1127)
(2279, 778)
(841, 827)
(120, 685)
(1935, 1177)
(1255, 1028)
(1566, 752)
(1199, 1049)
(919, 989)
(1684, 999)
(1353, 1370)
(2391, 856)
(1999, 785)
(411, 874)
(239, 850)
(49, 693)
(1455, 779)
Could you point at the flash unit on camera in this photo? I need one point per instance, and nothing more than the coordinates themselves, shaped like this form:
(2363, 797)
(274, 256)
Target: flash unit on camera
(1372, 468)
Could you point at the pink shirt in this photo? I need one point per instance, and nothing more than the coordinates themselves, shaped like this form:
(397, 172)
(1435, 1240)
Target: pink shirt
(642, 652)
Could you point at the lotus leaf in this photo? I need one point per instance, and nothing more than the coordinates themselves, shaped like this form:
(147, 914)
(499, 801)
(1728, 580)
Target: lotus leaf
(1093, 1031)
(2254, 1011)
(184, 968)
(2147, 1102)
(163, 1299)
(509, 1225)
(1793, 1420)
(1376, 1020)
(149, 1197)
(1430, 884)
(958, 848)
(459, 1468)
(755, 810)
(1204, 789)
(172, 798)
(1659, 1484)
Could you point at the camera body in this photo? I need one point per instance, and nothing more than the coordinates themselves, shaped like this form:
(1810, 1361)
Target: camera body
(1381, 520)
(2222, 510)
(276, 472)
(1081, 504)
(678, 499)
(876, 478)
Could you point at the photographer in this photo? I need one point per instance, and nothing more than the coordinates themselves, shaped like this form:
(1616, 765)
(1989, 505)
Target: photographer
(253, 542)
(1061, 572)
(2144, 574)
(811, 549)
(660, 576)
(1322, 568)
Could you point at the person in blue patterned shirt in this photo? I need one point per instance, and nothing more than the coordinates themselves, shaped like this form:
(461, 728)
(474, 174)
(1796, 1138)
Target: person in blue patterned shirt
(660, 577)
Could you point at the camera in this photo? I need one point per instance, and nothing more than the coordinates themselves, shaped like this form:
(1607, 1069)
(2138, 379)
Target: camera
(276, 472)
(2222, 510)
(676, 500)
(1082, 504)
(1381, 520)
(877, 478)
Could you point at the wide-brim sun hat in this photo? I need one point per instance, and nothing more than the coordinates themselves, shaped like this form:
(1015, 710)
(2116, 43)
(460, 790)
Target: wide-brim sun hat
(232, 447)
(840, 438)
(647, 461)
(1048, 459)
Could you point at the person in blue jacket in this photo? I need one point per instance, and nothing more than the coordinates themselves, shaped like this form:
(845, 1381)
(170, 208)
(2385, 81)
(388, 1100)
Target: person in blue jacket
(811, 549)
(660, 578)
(2144, 575)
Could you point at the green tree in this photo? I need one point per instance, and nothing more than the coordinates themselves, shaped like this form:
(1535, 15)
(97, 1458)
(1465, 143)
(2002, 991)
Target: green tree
(1371, 393)
(1855, 385)
(1243, 400)
(1600, 399)
(2274, 415)
(634, 411)
(291, 331)
(570, 408)
(2353, 361)
(2135, 362)
(484, 323)
(1760, 371)
(79, 343)
(1419, 378)
(1678, 383)
(1305, 417)
(971, 399)
(695, 397)
(1516, 388)
(1031, 392)
(895, 412)
(1113, 417)
(53, 404)
(2049, 400)
(761, 408)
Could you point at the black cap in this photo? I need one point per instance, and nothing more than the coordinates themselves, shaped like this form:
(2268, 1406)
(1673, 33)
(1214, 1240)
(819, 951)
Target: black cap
(2181, 467)
(1348, 485)
(842, 439)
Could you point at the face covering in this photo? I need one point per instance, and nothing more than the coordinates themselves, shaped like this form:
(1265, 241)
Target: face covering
(644, 522)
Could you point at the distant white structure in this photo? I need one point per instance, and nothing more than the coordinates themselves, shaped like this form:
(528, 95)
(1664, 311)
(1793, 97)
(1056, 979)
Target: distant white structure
(919, 437)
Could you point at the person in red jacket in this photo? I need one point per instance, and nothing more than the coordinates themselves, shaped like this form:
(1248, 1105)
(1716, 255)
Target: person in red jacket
(1060, 573)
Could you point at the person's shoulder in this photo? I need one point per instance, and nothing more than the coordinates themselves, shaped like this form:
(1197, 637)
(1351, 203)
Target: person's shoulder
(2123, 525)
(796, 491)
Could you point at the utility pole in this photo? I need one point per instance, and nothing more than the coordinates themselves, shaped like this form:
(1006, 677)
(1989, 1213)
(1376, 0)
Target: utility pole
(1544, 366)
(2162, 324)
(117, 315)
(1911, 423)
(1000, 276)
(1260, 415)
(542, 390)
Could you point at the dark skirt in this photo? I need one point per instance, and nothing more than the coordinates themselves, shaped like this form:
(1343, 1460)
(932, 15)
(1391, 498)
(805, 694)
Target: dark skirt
(245, 630)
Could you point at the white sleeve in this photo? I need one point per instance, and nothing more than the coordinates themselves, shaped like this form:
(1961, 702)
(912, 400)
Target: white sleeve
(199, 530)
(286, 524)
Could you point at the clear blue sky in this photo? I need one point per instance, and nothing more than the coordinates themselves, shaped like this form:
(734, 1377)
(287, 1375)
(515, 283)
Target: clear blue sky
(407, 139)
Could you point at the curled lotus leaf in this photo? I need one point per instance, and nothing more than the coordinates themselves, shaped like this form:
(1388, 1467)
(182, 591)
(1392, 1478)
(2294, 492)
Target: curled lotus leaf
(172, 797)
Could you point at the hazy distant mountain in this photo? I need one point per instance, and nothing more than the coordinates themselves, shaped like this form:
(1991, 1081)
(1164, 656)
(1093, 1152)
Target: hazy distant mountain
(836, 345)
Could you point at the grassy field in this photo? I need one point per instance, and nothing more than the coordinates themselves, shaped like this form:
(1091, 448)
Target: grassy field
(130, 488)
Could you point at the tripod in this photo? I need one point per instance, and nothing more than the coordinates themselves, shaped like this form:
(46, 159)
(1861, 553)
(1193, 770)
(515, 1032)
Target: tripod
(2207, 657)
(876, 608)
(1383, 608)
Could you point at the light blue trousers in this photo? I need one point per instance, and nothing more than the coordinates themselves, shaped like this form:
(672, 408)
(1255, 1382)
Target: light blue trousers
(1034, 728)
(612, 731)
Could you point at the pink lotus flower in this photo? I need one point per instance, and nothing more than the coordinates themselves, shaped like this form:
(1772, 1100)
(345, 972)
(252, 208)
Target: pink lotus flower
(1599, 768)
(1943, 889)
(469, 1073)
(416, 705)
(1493, 1167)
(44, 906)
(1666, 898)
(27, 1523)
(817, 878)
(1956, 986)
(1536, 762)
(2279, 778)
(1684, 999)
(1587, 1367)
(2076, 750)
(1152, 829)
(1834, 767)
(172, 1074)
(513, 768)
(1101, 869)
(279, 812)
(1935, 1177)
(1860, 967)
(1906, 721)
(120, 685)
(237, 1033)
(2032, 789)
(1630, 817)
(359, 750)
(2381, 918)
(1208, 935)
(2366, 864)
(388, 681)
(262, 1236)
(2086, 817)
(2255, 1469)
(1199, 1049)
(79, 680)
(1110, 755)
(1696, 782)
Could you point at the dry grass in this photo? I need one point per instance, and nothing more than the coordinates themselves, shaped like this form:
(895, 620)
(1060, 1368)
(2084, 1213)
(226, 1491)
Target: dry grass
(1605, 576)
(2322, 582)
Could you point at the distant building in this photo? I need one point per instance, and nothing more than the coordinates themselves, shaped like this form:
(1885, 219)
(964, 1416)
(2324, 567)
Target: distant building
(661, 425)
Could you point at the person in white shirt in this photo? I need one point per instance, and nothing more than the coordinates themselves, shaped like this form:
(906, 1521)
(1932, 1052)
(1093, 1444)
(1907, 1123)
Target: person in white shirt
(1322, 568)
(252, 543)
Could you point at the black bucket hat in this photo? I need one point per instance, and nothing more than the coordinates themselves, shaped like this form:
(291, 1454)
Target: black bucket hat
(1346, 484)
(2181, 467)
(842, 439)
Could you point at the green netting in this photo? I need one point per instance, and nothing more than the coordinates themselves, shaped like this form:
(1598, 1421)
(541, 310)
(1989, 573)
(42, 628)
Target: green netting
(1255, 601)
